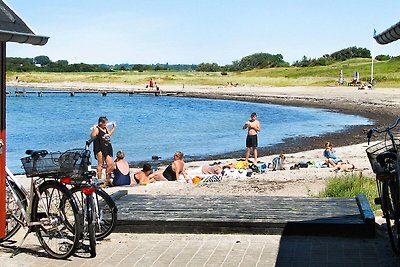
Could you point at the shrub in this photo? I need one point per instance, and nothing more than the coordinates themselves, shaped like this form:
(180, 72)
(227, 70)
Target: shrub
(350, 185)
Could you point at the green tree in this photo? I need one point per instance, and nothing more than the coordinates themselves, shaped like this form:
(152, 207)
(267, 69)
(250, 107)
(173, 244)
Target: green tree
(42, 60)
(208, 67)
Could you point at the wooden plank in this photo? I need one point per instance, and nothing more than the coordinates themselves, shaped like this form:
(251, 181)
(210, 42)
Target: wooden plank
(253, 214)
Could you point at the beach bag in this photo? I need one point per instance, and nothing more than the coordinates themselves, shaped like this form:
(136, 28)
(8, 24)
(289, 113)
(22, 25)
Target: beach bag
(242, 165)
(277, 164)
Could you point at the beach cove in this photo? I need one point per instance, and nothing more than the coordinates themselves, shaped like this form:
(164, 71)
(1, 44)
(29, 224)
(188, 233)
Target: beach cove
(379, 105)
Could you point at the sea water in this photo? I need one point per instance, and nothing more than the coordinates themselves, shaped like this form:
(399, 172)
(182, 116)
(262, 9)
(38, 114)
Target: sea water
(149, 125)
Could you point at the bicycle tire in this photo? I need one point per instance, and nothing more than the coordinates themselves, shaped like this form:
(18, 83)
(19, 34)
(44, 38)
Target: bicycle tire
(90, 225)
(52, 208)
(390, 211)
(107, 212)
(14, 214)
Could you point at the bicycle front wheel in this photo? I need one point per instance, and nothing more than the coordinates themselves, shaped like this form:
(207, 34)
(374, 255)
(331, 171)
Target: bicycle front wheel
(105, 208)
(14, 216)
(390, 209)
(54, 208)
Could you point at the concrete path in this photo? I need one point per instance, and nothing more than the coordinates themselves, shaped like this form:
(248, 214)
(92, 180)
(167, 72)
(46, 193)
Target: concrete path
(216, 250)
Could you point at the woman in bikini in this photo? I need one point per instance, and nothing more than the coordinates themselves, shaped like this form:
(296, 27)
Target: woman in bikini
(172, 172)
(142, 177)
(102, 147)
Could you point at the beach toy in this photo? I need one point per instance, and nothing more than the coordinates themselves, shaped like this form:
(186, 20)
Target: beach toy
(196, 180)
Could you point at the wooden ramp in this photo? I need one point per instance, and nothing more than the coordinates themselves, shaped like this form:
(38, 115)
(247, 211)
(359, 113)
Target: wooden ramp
(250, 214)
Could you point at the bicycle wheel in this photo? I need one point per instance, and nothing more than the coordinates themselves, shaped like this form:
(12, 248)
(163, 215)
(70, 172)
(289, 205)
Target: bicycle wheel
(106, 210)
(90, 225)
(14, 215)
(390, 209)
(53, 212)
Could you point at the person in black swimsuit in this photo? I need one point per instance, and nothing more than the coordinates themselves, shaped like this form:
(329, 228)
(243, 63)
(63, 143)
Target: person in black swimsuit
(172, 172)
(102, 147)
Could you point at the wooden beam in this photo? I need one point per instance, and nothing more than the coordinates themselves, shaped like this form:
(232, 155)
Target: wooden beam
(3, 139)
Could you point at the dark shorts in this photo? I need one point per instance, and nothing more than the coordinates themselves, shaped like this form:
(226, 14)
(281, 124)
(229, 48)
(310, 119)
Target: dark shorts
(251, 141)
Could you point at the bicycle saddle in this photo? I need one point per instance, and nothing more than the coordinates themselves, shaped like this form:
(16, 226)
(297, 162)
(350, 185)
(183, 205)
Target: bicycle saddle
(383, 157)
(36, 153)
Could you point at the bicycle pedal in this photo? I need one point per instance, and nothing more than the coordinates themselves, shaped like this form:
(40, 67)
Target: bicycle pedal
(378, 201)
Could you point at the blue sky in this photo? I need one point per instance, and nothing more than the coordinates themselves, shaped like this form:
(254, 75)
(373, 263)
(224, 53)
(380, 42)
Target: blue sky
(189, 31)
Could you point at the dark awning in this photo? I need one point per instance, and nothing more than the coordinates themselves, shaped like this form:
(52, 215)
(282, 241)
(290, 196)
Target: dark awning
(390, 35)
(14, 29)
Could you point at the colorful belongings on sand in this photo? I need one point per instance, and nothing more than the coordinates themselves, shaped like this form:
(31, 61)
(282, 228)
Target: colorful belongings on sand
(242, 165)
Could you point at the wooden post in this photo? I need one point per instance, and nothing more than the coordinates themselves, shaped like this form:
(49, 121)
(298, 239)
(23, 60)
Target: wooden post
(3, 139)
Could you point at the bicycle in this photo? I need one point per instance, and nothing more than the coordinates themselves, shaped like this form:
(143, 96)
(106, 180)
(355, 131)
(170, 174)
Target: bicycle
(42, 210)
(99, 209)
(385, 162)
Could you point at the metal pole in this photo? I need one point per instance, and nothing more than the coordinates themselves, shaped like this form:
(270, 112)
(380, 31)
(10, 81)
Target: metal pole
(3, 139)
(372, 62)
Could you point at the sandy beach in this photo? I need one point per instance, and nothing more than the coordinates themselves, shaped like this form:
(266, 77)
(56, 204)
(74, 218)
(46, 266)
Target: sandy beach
(379, 104)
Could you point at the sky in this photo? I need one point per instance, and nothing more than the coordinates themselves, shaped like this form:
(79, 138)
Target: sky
(196, 31)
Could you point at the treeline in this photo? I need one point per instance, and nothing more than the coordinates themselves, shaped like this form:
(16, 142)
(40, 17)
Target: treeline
(44, 64)
(327, 59)
(255, 61)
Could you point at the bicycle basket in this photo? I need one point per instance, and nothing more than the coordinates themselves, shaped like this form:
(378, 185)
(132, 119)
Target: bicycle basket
(42, 166)
(377, 149)
(74, 162)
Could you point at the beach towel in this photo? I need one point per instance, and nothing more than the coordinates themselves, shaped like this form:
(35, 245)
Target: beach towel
(277, 164)
(212, 179)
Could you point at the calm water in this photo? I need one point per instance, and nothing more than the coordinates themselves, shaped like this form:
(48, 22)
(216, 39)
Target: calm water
(148, 125)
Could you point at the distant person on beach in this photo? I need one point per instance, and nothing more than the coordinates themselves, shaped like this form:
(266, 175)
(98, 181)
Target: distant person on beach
(102, 147)
(344, 166)
(253, 126)
(121, 172)
(330, 155)
(151, 85)
(173, 170)
(142, 177)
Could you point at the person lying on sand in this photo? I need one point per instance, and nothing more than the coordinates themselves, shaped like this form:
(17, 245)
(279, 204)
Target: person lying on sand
(216, 168)
(142, 177)
(344, 166)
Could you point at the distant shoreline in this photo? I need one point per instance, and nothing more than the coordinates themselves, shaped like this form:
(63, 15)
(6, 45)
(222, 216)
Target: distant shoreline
(378, 105)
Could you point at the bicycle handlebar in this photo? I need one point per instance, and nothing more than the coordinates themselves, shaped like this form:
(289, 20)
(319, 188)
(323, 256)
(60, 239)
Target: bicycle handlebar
(88, 142)
(372, 130)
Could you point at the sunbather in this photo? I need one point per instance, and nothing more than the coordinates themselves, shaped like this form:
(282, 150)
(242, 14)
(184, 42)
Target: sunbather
(344, 166)
(142, 177)
(172, 172)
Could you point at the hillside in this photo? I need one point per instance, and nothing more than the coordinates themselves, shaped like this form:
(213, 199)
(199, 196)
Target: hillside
(386, 73)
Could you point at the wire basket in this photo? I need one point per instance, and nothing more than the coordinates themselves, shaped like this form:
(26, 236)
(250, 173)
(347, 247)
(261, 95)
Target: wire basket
(42, 166)
(377, 149)
(72, 163)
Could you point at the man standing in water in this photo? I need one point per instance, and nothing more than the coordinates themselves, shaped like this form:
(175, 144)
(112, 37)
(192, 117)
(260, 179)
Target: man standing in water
(253, 126)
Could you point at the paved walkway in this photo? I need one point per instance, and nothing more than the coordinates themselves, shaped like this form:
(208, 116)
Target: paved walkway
(216, 250)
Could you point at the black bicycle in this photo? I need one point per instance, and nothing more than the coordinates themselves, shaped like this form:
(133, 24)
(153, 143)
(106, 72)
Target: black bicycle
(385, 162)
(99, 209)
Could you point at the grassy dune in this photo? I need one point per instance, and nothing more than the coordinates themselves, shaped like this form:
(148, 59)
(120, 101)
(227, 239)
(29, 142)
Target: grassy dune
(387, 74)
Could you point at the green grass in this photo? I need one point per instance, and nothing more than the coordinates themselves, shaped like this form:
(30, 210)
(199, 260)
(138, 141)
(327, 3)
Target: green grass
(350, 185)
(387, 74)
